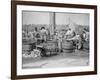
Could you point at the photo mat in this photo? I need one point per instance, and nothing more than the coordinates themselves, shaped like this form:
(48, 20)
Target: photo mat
(63, 20)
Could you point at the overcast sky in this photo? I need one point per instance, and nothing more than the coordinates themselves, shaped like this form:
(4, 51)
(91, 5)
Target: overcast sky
(31, 17)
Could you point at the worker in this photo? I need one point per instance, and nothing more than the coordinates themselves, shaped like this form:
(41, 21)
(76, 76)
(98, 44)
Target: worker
(60, 41)
(77, 40)
(36, 33)
(69, 34)
(30, 35)
(43, 33)
(24, 34)
(86, 35)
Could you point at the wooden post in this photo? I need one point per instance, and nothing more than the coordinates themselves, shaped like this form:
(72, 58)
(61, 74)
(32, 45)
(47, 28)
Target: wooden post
(52, 22)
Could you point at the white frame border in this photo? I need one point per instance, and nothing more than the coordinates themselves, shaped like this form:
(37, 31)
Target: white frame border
(21, 71)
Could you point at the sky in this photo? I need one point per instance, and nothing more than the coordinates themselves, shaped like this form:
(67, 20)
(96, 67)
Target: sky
(31, 17)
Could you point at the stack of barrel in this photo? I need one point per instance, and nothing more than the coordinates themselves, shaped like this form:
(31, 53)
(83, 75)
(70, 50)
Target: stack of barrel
(67, 46)
(51, 48)
(26, 50)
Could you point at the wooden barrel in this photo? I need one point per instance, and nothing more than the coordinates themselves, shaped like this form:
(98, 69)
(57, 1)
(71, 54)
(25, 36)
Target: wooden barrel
(86, 45)
(51, 51)
(67, 46)
(26, 47)
(51, 48)
(26, 50)
(68, 50)
(51, 45)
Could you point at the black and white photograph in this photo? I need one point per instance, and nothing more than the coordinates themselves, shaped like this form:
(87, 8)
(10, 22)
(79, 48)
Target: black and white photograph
(55, 39)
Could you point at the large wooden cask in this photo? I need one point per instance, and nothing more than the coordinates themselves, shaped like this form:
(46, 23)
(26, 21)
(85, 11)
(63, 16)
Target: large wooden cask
(67, 46)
